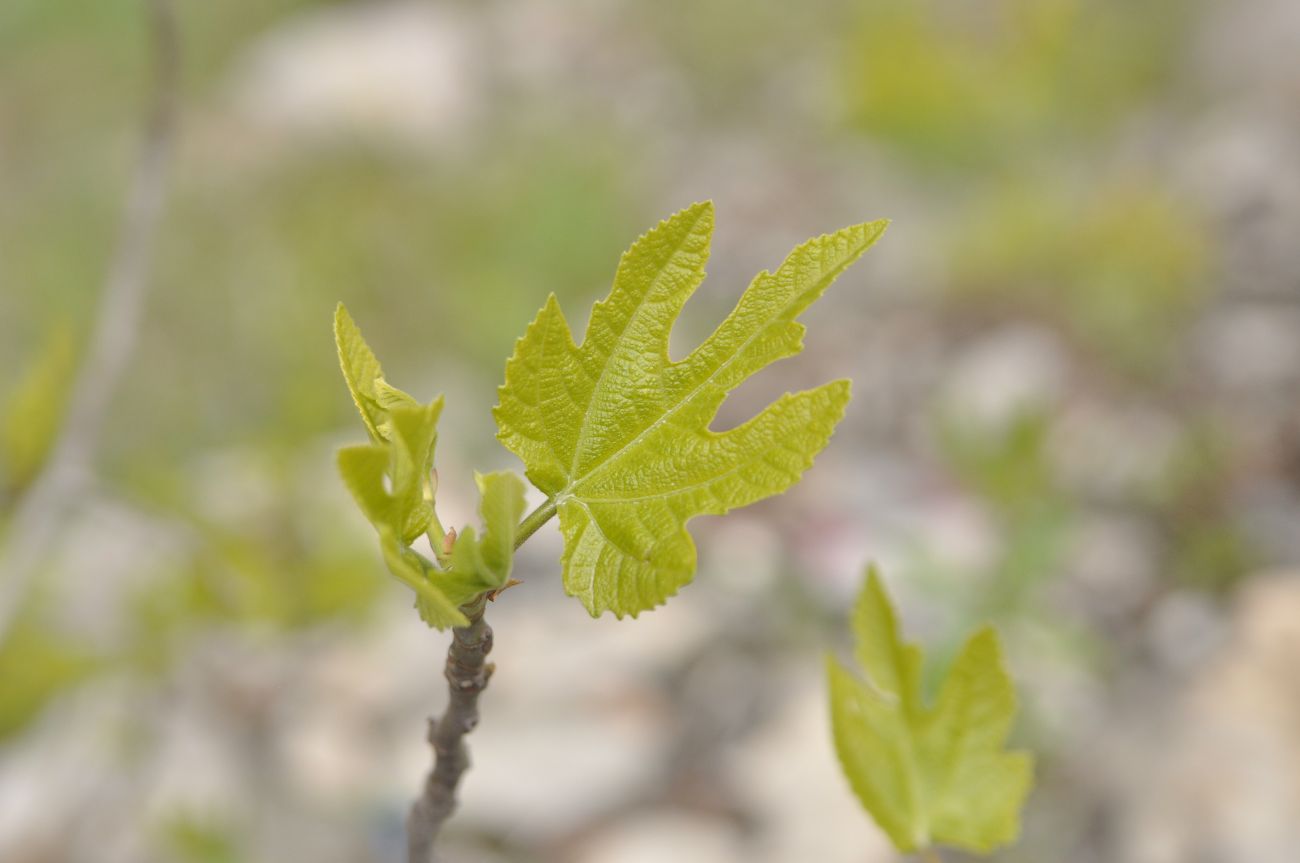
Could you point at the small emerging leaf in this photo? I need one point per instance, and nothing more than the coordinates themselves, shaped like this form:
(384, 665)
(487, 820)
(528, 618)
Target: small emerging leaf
(364, 470)
(617, 435)
(436, 608)
(360, 369)
(484, 564)
(390, 480)
(374, 396)
(479, 565)
(414, 430)
(928, 775)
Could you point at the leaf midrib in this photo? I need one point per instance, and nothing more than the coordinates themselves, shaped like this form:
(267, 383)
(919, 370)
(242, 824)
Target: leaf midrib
(636, 313)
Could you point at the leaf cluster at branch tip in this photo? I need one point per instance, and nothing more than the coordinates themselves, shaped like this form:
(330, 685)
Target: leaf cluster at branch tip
(390, 480)
(614, 432)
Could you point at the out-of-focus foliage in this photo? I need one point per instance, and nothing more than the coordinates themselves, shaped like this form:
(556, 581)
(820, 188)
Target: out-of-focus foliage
(1007, 466)
(1121, 266)
(974, 87)
(1192, 499)
(928, 774)
(194, 840)
(36, 663)
(29, 418)
(232, 577)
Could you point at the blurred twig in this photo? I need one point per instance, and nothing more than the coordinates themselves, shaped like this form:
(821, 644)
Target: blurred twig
(41, 511)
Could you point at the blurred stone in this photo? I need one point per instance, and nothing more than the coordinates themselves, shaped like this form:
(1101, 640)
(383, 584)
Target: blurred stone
(1112, 450)
(555, 57)
(874, 507)
(573, 700)
(656, 837)
(1013, 369)
(1113, 561)
(538, 778)
(396, 71)
(1184, 630)
(790, 779)
(744, 554)
(1270, 513)
(1214, 774)
(59, 768)
(1248, 48)
(126, 550)
(1240, 166)
(1252, 348)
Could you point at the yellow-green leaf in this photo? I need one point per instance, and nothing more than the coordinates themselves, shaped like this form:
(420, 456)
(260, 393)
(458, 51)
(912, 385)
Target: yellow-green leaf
(390, 480)
(436, 608)
(617, 434)
(414, 430)
(928, 775)
(390, 477)
(34, 409)
(364, 469)
(484, 563)
(374, 397)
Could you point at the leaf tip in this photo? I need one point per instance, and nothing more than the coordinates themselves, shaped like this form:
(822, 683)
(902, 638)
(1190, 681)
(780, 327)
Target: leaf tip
(842, 388)
(874, 579)
(700, 215)
(874, 603)
(702, 208)
(342, 320)
(872, 231)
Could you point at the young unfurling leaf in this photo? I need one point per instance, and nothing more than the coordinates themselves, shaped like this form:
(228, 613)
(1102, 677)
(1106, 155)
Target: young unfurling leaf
(483, 563)
(617, 435)
(390, 481)
(374, 396)
(928, 775)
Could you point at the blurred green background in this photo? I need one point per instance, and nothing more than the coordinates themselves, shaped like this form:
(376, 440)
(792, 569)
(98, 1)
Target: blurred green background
(1076, 358)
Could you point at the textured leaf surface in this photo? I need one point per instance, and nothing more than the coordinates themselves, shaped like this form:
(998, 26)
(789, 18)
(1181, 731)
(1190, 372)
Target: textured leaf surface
(617, 435)
(360, 369)
(928, 775)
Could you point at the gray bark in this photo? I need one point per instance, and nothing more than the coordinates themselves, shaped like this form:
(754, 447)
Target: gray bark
(467, 673)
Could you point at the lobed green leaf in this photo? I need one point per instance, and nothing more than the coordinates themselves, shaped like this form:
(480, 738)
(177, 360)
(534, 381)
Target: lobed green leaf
(617, 435)
(934, 775)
